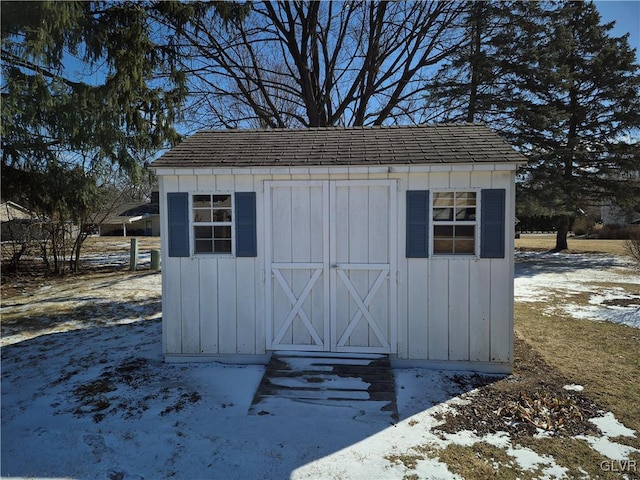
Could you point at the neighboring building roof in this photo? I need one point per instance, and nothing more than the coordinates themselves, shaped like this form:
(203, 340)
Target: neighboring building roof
(131, 212)
(12, 211)
(326, 146)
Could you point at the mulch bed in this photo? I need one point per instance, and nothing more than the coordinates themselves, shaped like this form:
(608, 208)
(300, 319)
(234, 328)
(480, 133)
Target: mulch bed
(529, 401)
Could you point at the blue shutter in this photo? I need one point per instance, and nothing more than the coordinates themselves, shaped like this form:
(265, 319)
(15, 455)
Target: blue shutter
(492, 210)
(417, 224)
(178, 217)
(246, 241)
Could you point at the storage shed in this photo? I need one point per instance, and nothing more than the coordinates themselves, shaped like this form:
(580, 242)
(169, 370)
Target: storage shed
(394, 240)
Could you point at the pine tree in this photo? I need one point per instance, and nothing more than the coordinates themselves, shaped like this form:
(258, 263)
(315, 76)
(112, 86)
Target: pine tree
(476, 83)
(579, 107)
(85, 77)
(86, 85)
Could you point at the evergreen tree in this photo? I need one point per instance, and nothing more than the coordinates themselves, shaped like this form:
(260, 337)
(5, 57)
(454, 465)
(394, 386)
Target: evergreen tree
(85, 77)
(578, 113)
(477, 82)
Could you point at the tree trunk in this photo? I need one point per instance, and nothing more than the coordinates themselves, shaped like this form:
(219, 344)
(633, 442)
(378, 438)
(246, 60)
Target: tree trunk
(561, 236)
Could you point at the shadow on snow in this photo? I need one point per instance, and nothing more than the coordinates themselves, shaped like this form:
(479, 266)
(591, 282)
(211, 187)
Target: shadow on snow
(100, 402)
(529, 264)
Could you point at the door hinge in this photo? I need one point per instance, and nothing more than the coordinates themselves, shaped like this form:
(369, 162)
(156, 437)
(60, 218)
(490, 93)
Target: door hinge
(262, 276)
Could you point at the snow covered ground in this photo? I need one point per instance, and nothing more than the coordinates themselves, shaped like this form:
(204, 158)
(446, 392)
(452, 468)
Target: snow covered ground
(561, 279)
(85, 394)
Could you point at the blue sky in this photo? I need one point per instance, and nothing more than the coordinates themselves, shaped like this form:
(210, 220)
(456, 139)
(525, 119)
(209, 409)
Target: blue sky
(627, 17)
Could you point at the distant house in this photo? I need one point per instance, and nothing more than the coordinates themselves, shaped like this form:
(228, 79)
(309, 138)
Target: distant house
(12, 211)
(386, 240)
(614, 215)
(17, 222)
(132, 219)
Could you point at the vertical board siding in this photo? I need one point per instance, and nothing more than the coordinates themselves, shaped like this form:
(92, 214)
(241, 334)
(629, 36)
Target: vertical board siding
(227, 301)
(459, 310)
(438, 293)
(178, 223)
(418, 309)
(492, 217)
(479, 311)
(208, 291)
(501, 317)
(459, 180)
(403, 300)
(171, 281)
(190, 276)
(245, 306)
(172, 305)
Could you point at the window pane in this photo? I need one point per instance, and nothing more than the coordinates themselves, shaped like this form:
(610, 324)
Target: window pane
(465, 231)
(443, 199)
(465, 198)
(442, 214)
(201, 215)
(443, 231)
(442, 246)
(465, 213)
(203, 232)
(222, 232)
(222, 215)
(222, 201)
(465, 246)
(201, 201)
(204, 246)
(222, 246)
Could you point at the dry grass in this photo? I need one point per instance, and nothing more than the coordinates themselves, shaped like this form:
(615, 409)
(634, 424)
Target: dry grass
(544, 242)
(483, 461)
(94, 245)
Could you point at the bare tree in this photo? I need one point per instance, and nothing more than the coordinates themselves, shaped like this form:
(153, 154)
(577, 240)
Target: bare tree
(306, 64)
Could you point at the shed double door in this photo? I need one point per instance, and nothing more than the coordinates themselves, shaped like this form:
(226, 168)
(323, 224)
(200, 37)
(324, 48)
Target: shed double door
(330, 255)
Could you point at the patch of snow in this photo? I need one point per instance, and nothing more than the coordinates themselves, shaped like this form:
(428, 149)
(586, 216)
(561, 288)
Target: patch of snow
(611, 427)
(573, 387)
(540, 275)
(607, 448)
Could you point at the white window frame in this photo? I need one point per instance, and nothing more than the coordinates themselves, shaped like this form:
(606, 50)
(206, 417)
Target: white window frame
(193, 224)
(475, 223)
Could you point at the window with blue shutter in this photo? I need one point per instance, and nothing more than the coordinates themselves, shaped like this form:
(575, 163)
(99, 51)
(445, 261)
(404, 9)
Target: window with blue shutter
(246, 237)
(212, 223)
(492, 214)
(417, 224)
(178, 220)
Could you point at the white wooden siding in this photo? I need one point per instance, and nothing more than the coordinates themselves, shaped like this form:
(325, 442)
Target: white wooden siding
(450, 309)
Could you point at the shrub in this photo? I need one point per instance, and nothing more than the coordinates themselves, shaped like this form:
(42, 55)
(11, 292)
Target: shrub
(632, 246)
(619, 232)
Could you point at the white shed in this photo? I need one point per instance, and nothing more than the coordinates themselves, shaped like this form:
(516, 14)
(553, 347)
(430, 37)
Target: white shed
(394, 240)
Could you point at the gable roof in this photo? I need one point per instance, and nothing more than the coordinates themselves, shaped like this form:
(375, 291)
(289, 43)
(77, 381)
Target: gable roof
(131, 212)
(325, 146)
(12, 211)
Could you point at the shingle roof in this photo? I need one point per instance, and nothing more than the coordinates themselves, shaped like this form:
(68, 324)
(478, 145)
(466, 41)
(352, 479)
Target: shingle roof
(426, 144)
